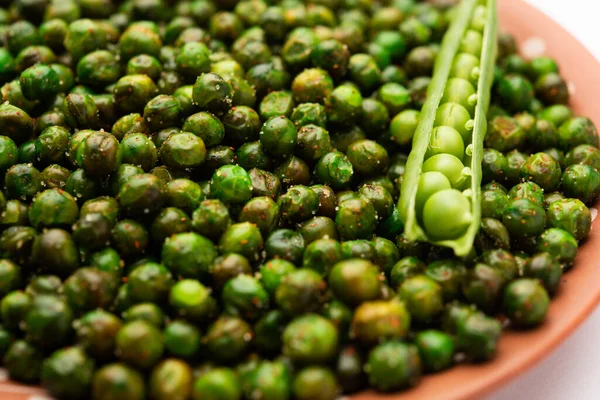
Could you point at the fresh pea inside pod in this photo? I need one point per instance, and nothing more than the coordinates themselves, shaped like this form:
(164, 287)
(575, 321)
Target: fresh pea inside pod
(440, 193)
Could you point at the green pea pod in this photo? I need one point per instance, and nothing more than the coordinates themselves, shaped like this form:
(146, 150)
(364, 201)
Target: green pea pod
(440, 196)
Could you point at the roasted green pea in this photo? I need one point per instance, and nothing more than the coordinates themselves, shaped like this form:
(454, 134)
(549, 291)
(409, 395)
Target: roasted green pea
(572, 216)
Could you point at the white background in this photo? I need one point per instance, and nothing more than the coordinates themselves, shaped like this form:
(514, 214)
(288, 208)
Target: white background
(572, 372)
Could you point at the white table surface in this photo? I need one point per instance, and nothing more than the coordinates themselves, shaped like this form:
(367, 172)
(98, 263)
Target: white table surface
(571, 372)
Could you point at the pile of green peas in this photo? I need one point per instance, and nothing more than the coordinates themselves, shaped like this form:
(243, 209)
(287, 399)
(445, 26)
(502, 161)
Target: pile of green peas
(198, 198)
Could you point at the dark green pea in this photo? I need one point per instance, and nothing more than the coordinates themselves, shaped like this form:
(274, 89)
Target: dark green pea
(131, 123)
(310, 339)
(557, 114)
(449, 274)
(52, 144)
(85, 36)
(206, 126)
(228, 266)
(141, 195)
(15, 214)
(344, 105)
(268, 77)
(273, 271)
(149, 282)
(550, 198)
(168, 222)
(48, 322)
(269, 379)
(117, 379)
(221, 382)
(139, 344)
(355, 281)
(317, 383)
(147, 312)
(312, 86)
(550, 88)
(107, 206)
(218, 156)
(493, 203)
(514, 160)
(171, 379)
(211, 218)
(264, 183)
(7, 65)
(276, 104)
(252, 155)
(39, 82)
(321, 255)
(98, 68)
(11, 276)
(16, 244)
(504, 134)
(243, 238)
(192, 35)
(572, 216)
(162, 112)
(423, 296)
(231, 184)
(542, 169)
(278, 136)
(80, 111)
(183, 194)
(359, 248)
(132, 92)
(436, 349)
(213, 93)
(527, 190)
(138, 149)
(492, 235)
(300, 291)
(227, 339)
(138, 39)
(420, 61)
(349, 370)
(130, 238)
(53, 207)
(516, 92)
(99, 154)
(96, 332)
(405, 268)
(261, 211)
(82, 186)
(356, 219)
(286, 244)
(332, 56)
(526, 302)
(558, 243)
(89, 288)
(584, 154)
(545, 268)
(92, 230)
(268, 330)
(192, 300)
(374, 116)
(524, 218)
(15, 123)
(394, 96)
(318, 228)
(22, 181)
(309, 113)
(182, 339)
(515, 64)
(483, 286)
(183, 150)
(55, 176)
(188, 254)
(244, 296)
(334, 169)
(478, 336)
(298, 204)
(379, 320)
(23, 362)
(393, 366)
(493, 166)
(20, 35)
(242, 125)
(582, 182)
(368, 157)
(576, 131)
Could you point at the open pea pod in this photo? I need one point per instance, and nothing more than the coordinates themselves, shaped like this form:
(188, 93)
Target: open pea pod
(440, 193)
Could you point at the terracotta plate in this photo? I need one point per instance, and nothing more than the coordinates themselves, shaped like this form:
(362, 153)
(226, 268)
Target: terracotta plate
(580, 289)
